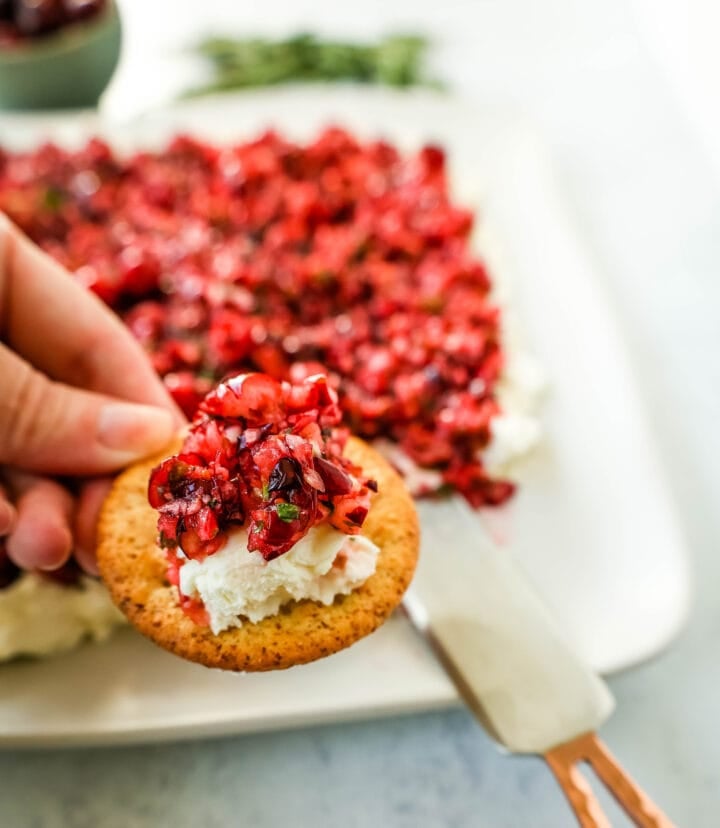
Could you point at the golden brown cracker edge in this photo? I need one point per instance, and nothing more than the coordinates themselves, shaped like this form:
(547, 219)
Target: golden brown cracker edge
(134, 570)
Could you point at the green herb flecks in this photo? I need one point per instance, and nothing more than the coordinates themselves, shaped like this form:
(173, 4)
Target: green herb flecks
(287, 512)
(53, 199)
(164, 542)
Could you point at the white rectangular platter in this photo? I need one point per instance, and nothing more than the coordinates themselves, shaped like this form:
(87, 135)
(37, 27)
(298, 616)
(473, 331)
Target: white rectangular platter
(593, 524)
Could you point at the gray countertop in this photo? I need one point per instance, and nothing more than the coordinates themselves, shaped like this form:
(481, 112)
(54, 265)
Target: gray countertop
(648, 206)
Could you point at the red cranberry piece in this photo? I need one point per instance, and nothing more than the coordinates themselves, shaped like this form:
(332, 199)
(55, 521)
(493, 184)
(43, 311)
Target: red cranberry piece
(229, 337)
(159, 485)
(187, 390)
(286, 475)
(276, 529)
(195, 610)
(197, 548)
(34, 17)
(139, 270)
(205, 524)
(337, 481)
(253, 397)
(313, 392)
(349, 513)
(81, 9)
(101, 282)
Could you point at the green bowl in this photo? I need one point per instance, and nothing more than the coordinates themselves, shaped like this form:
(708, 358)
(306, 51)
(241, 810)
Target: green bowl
(69, 68)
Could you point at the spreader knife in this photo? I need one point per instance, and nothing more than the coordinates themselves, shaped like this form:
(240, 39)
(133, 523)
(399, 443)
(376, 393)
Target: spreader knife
(511, 663)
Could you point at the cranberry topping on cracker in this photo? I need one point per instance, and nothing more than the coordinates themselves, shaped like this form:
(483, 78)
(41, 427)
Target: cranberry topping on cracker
(262, 454)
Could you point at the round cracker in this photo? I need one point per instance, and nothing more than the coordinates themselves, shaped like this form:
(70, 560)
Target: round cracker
(134, 570)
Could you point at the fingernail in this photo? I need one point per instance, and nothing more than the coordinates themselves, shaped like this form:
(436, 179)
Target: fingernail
(135, 429)
(43, 546)
(59, 559)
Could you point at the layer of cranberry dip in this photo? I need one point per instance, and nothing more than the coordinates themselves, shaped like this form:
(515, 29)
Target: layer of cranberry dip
(266, 254)
(260, 508)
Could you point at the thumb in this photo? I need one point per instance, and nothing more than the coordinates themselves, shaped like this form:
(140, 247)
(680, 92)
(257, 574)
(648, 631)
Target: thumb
(52, 428)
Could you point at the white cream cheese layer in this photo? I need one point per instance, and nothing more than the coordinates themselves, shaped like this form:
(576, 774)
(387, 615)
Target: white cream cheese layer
(39, 617)
(235, 584)
(516, 431)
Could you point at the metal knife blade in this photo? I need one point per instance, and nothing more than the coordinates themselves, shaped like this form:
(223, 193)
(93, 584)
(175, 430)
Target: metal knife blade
(507, 656)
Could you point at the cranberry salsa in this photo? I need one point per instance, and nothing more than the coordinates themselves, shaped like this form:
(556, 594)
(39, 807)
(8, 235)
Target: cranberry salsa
(263, 454)
(270, 256)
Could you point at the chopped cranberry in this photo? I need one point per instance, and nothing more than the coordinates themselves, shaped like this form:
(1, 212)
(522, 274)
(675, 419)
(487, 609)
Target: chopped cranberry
(187, 390)
(280, 477)
(286, 475)
(336, 481)
(253, 397)
(195, 609)
(332, 257)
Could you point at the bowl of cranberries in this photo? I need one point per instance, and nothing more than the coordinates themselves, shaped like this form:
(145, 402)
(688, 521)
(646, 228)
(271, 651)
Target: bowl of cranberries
(56, 53)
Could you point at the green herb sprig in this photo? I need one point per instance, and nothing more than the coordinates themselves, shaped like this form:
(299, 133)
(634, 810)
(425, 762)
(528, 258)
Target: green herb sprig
(396, 60)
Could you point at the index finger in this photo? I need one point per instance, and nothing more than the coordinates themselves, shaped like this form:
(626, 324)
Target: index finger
(65, 330)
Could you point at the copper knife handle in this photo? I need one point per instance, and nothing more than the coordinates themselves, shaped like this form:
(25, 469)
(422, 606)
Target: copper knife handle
(564, 760)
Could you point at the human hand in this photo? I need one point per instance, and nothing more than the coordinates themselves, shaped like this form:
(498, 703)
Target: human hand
(78, 399)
